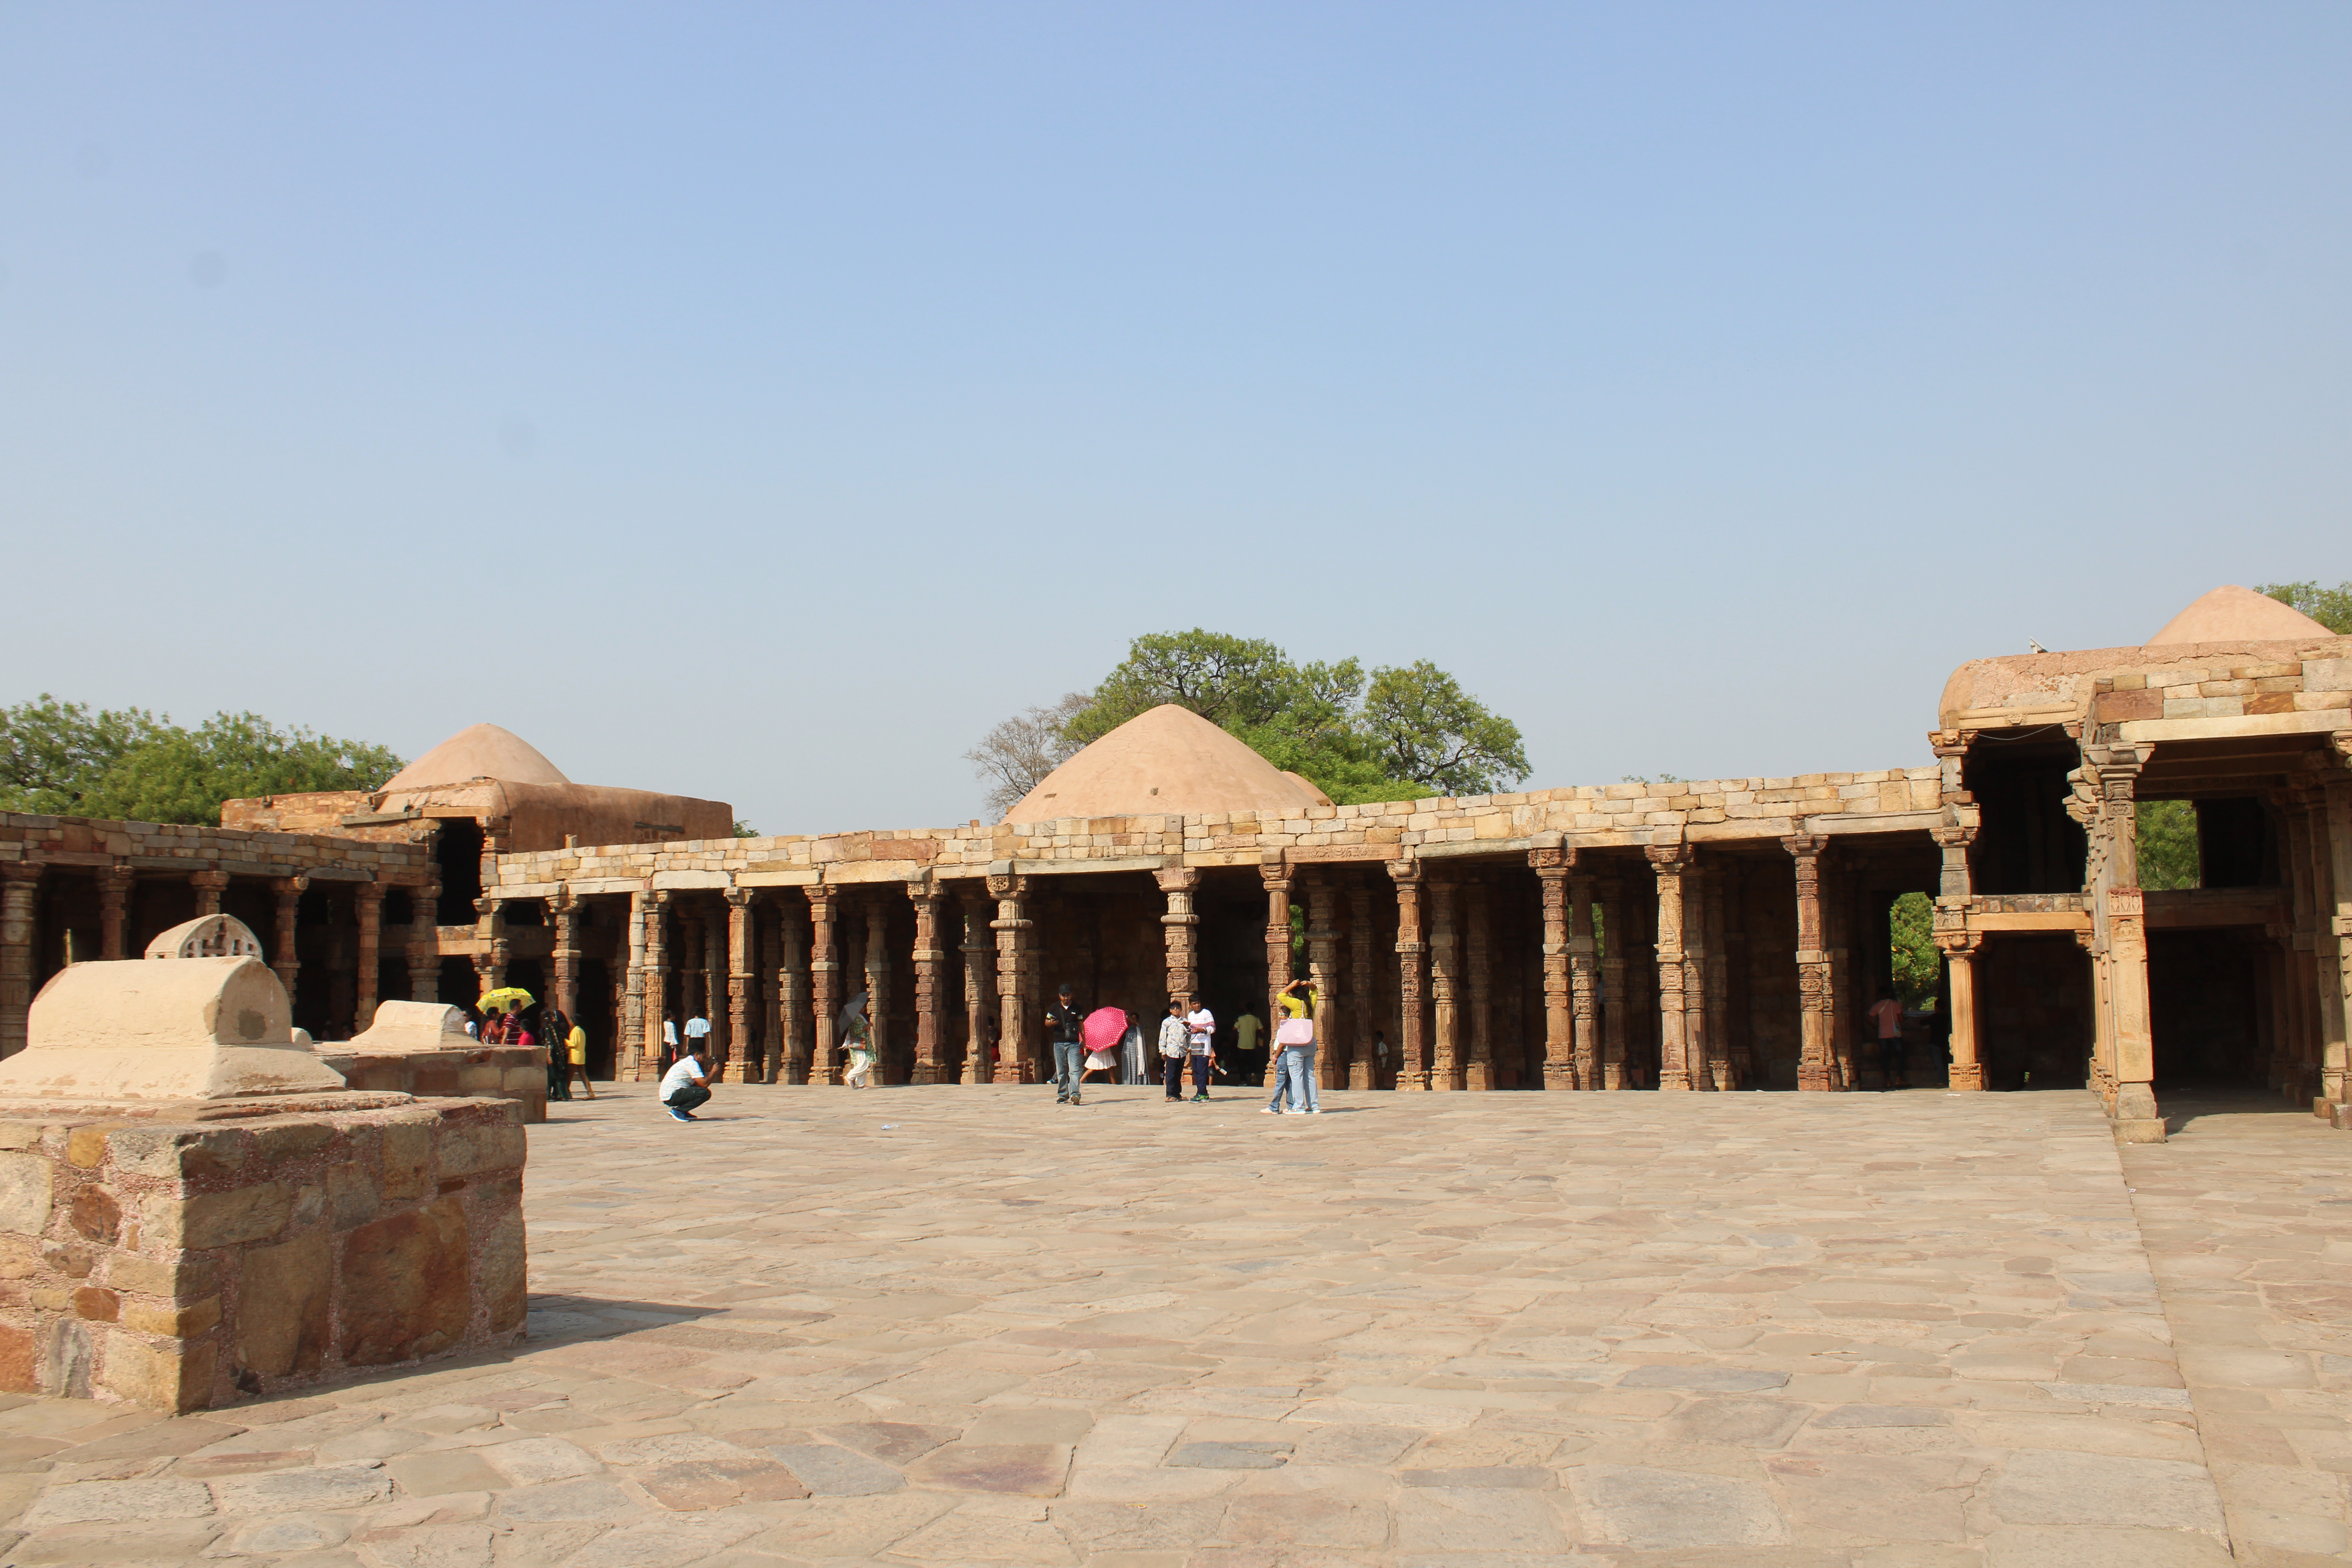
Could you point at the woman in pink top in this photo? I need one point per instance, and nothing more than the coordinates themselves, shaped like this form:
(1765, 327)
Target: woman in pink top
(1887, 1014)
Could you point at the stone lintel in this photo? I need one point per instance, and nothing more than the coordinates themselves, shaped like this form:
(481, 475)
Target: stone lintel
(791, 877)
(686, 882)
(2312, 721)
(1846, 822)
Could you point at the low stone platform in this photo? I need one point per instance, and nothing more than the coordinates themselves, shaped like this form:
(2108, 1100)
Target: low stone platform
(511, 1073)
(957, 1325)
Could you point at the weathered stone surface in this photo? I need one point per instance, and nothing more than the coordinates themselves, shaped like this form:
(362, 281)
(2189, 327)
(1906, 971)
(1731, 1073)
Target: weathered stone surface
(24, 1189)
(503, 1272)
(177, 1379)
(407, 1158)
(111, 1502)
(407, 1291)
(207, 1220)
(2051, 1486)
(828, 1471)
(1231, 1456)
(1633, 1505)
(282, 1294)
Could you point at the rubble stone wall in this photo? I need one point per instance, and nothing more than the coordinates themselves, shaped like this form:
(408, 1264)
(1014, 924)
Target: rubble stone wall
(516, 1073)
(180, 1263)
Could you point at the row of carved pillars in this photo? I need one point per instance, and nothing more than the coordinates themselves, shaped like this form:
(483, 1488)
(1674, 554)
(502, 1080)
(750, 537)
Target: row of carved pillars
(20, 890)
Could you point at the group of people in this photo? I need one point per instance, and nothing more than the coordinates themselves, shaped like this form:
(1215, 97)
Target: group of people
(1187, 1046)
(567, 1042)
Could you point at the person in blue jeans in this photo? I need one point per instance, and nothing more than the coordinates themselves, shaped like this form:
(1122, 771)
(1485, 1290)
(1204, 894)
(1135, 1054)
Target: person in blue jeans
(1065, 1024)
(1293, 1065)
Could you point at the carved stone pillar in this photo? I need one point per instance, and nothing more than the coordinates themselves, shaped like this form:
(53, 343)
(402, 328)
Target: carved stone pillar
(788, 1059)
(741, 1067)
(1583, 973)
(20, 886)
(1445, 986)
(656, 983)
(1959, 950)
(1837, 920)
(1478, 1072)
(825, 984)
(492, 950)
(630, 1048)
(2302, 949)
(367, 904)
(1550, 863)
(979, 961)
(929, 957)
(1701, 1029)
(1413, 1059)
(114, 891)
(710, 948)
(1276, 878)
(284, 960)
(1363, 1063)
(769, 984)
(1613, 940)
(565, 907)
(423, 944)
(1671, 862)
(1814, 1064)
(2115, 770)
(1323, 974)
(209, 886)
(1179, 929)
(2335, 1069)
(1016, 1034)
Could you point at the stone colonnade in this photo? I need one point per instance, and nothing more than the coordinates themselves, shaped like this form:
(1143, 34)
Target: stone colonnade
(1639, 957)
(49, 907)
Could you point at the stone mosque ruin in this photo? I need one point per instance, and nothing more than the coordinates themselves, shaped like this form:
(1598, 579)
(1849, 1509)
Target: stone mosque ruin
(1699, 936)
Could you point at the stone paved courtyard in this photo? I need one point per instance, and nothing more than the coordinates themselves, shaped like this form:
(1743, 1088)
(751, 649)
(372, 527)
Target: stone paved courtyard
(938, 1326)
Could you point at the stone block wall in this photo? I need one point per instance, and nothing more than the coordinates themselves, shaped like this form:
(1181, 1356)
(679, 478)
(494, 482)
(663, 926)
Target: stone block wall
(182, 1258)
(173, 846)
(516, 1073)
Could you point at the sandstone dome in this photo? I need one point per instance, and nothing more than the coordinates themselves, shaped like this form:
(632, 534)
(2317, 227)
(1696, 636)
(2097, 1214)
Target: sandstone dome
(2232, 614)
(478, 752)
(1170, 761)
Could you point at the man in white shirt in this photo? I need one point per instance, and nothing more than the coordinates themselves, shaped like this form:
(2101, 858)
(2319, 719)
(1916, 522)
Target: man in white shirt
(684, 1086)
(1200, 1026)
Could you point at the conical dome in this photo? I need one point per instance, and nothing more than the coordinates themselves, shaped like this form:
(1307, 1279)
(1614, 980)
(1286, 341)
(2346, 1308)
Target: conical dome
(2232, 614)
(1170, 760)
(479, 752)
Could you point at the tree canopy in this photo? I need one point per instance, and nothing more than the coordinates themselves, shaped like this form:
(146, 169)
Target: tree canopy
(1393, 733)
(63, 758)
(2331, 607)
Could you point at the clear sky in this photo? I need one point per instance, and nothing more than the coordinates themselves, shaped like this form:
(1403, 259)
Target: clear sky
(759, 401)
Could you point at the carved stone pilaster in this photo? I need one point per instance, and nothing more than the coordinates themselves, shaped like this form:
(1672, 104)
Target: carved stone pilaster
(1813, 1065)
(1277, 877)
(423, 944)
(1323, 973)
(656, 983)
(789, 1059)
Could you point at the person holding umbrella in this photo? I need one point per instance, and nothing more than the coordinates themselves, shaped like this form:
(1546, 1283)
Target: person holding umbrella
(1103, 1026)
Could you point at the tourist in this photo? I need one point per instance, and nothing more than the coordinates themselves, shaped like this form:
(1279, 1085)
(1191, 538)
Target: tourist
(1175, 1046)
(1105, 1060)
(517, 1033)
(575, 1052)
(697, 1035)
(1200, 1026)
(1247, 1030)
(559, 1077)
(1293, 1039)
(686, 1085)
(1380, 1057)
(1887, 1014)
(1130, 1052)
(1065, 1028)
(669, 1039)
(856, 1032)
(494, 1028)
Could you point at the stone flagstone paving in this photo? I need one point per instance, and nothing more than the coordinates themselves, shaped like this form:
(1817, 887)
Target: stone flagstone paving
(941, 1326)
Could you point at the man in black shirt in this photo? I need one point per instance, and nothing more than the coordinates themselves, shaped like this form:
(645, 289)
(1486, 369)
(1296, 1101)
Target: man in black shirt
(1066, 1026)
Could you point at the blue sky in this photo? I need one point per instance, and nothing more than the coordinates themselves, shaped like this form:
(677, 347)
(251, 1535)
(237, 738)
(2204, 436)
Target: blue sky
(761, 402)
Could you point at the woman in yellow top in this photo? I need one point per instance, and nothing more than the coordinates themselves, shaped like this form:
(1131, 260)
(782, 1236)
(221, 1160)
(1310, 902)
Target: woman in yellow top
(1293, 1036)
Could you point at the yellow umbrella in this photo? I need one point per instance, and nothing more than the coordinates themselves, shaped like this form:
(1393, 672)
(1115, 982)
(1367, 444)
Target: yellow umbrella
(505, 996)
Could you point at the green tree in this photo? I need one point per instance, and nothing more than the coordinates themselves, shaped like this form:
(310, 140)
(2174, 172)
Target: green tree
(2331, 607)
(2168, 844)
(59, 757)
(1916, 965)
(1426, 729)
